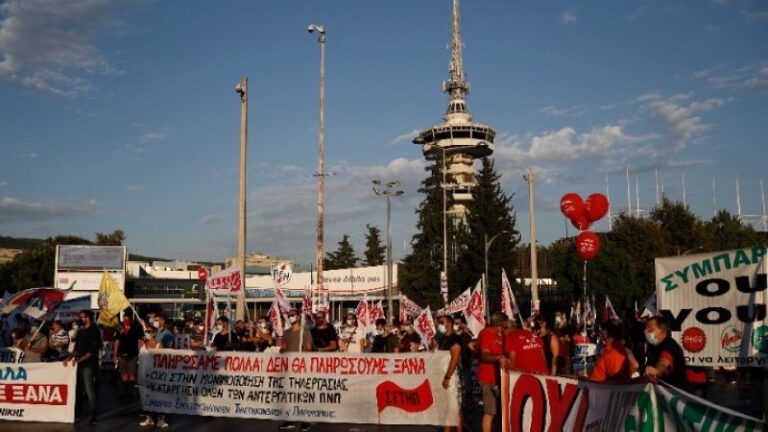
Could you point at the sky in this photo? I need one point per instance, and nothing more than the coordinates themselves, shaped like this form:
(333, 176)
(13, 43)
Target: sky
(123, 115)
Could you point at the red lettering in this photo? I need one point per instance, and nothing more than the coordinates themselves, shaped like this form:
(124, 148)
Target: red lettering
(527, 390)
(560, 404)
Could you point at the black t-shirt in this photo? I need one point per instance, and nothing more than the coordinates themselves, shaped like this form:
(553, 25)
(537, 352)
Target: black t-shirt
(322, 337)
(246, 345)
(385, 343)
(669, 348)
(88, 340)
(466, 354)
(222, 342)
(448, 342)
(129, 342)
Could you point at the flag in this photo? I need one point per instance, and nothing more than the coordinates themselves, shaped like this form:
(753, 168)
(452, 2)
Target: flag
(363, 314)
(649, 308)
(425, 327)
(112, 301)
(475, 311)
(508, 302)
(211, 315)
(225, 282)
(306, 307)
(408, 308)
(587, 310)
(579, 317)
(376, 312)
(457, 305)
(610, 312)
(276, 318)
(282, 301)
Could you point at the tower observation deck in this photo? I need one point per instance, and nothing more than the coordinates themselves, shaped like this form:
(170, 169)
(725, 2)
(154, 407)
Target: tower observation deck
(458, 141)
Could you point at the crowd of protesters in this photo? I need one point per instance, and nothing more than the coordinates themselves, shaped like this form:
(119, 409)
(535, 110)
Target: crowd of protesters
(624, 351)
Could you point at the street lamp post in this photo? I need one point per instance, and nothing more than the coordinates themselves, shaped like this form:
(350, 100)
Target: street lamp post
(242, 89)
(487, 244)
(320, 165)
(389, 193)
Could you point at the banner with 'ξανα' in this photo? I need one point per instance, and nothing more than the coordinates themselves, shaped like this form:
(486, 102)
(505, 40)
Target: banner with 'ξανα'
(716, 305)
(402, 388)
(37, 392)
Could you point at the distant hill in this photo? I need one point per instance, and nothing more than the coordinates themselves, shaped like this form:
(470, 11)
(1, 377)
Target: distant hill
(19, 243)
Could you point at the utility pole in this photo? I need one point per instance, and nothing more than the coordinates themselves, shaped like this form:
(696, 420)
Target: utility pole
(389, 193)
(242, 89)
(319, 252)
(530, 178)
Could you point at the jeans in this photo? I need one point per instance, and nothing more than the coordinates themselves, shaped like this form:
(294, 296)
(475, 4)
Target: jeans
(86, 386)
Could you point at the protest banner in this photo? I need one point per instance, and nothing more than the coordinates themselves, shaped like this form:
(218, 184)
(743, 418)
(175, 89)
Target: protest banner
(716, 304)
(225, 282)
(37, 392)
(402, 388)
(551, 403)
(69, 309)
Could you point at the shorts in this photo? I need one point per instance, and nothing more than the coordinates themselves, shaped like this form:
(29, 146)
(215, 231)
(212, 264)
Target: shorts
(127, 365)
(490, 398)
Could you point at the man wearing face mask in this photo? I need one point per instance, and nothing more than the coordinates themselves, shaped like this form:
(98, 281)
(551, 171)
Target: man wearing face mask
(665, 359)
(293, 340)
(86, 357)
(225, 339)
(409, 337)
(324, 336)
(126, 352)
(353, 338)
(385, 341)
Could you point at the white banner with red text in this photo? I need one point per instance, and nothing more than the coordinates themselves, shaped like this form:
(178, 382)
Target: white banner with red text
(550, 403)
(37, 392)
(716, 305)
(404, 388)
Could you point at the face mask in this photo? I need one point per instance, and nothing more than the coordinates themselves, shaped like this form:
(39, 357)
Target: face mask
(456, 327)
(409, 328)
(263, 326)
(292, 319)
(557, 320)
(156, 324)
(147, 335)
(350, 322)
(441, 328)
(74, 326)
(651, 339)
(33, 330)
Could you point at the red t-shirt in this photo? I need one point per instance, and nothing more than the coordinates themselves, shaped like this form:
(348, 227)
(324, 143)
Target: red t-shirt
(489, 340)
(528, 349)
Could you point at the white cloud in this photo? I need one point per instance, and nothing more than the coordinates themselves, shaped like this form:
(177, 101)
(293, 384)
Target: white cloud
(3, 183)
(573, 111)
(404, 137)
(16, 210)
(568, 16)
(136, 187)
(759, 81)
(153, 136)
(47, 45)
(677, 115)
(31, 155)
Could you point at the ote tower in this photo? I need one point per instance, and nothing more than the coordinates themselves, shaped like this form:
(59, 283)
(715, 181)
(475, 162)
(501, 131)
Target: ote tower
(458, 141)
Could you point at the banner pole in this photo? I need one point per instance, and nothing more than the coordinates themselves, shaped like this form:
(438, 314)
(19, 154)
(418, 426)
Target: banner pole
(584, 282)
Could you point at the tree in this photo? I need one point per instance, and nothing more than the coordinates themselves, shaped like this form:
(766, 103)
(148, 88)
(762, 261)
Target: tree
(490, 215)
(116, 238)
(725, 232)
(343, 257)
(683, 230)
(374, 251)
(420, 278)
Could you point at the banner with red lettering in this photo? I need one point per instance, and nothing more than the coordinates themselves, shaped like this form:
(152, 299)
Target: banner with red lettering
(225, 282)
(716, 305)
(552, 403)
(402, 388)
(37, 392)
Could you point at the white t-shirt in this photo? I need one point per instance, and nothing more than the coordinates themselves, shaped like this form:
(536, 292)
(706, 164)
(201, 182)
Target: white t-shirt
(353, 335)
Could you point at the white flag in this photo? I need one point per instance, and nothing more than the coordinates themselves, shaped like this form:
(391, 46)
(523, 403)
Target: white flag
(475, 311)
(458, 304)
(610, 312)
(425, 327)
(649, 308)
(508, 302)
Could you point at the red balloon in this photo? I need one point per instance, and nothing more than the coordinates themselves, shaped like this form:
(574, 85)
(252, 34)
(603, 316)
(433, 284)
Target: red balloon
(571, 205)
(595, 207)
(581, 222)
(587, 245)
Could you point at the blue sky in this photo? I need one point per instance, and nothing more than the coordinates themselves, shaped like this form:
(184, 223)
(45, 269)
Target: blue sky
(122, 115)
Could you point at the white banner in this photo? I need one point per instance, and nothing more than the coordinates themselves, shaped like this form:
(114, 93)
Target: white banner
(402, 388)
(69, 309)
(91, 257)
(225, 282)
(37, 392)
(716, 303)
(551, 403)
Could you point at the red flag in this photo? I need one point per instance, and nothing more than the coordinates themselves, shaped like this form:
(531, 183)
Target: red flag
(389, 394)
(475, 311)
(306, 307)
(425, 327)
(363, 316)
(376, 312)
(276, 319)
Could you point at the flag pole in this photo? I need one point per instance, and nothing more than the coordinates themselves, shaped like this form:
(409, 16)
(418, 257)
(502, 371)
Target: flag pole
(584, 283)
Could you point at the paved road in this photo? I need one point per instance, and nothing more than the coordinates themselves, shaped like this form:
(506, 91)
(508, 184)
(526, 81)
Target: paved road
(746, 396)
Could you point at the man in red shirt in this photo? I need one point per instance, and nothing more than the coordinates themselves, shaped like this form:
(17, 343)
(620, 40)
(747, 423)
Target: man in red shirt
(525, 351)
(490, 343)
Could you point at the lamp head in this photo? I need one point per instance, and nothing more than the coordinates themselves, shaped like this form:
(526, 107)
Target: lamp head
(316, 28)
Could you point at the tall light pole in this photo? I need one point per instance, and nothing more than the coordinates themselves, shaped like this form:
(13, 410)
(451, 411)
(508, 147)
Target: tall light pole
(389, 193)
(320, 166)
(530, 177)
(242, 89)
(487, 244)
